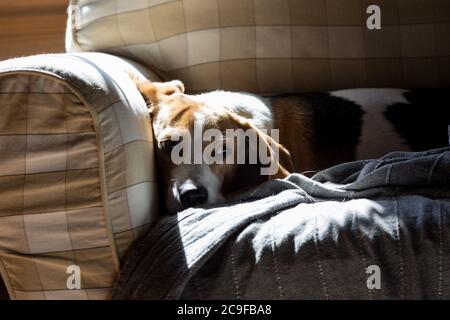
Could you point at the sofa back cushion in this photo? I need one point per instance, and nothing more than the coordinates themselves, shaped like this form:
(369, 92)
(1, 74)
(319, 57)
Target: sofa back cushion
(271, 46)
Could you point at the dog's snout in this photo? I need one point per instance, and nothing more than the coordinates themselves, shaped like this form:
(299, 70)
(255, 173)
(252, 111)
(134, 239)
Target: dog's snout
(192, 195)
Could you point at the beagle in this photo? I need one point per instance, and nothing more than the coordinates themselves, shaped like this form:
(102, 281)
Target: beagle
(314, 131)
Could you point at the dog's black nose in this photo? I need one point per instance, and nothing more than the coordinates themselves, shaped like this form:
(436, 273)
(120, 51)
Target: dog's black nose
(192, 195)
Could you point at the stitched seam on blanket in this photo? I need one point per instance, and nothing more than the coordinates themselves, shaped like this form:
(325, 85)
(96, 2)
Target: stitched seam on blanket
(275, 263)
(441, 244)
(361, 252)
(234, 272)
(399, 249)
(319, 264)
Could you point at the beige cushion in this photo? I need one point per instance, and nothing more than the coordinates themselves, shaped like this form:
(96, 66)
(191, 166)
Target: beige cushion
(272, 46)
(77, 178)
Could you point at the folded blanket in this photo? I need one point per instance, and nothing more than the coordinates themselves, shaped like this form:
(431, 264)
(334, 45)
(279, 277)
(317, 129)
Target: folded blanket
(301, 238)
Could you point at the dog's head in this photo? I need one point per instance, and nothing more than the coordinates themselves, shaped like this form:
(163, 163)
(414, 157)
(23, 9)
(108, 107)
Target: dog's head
(197, 160)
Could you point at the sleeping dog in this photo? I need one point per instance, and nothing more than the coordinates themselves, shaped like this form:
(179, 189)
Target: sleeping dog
(314, 131)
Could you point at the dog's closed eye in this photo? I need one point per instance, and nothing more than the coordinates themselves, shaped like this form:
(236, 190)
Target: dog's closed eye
(223, 152)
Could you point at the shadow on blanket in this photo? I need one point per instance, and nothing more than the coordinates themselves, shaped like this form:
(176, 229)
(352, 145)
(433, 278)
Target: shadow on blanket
(301, 238)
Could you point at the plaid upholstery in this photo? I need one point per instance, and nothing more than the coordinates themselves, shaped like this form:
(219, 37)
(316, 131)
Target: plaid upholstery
(272, 46)
(77, 181)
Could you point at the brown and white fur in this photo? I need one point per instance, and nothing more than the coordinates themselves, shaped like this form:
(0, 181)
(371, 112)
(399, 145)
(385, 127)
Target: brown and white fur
(316, 131)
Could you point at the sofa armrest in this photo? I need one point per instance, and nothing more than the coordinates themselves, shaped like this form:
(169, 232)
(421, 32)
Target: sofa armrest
(76, 173)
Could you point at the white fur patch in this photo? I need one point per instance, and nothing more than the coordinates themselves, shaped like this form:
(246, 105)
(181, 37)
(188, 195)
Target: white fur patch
(378, 135)
(249, 106)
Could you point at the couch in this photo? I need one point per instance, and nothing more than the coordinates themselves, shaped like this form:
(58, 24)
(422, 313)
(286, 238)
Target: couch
(77, 179)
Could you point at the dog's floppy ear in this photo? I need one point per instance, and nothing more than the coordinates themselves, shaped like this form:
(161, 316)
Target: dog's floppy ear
(170, 87)
(284, 163)
(154, 92)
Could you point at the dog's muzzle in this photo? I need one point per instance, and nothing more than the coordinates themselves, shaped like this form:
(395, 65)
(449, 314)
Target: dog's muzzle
(192, 195)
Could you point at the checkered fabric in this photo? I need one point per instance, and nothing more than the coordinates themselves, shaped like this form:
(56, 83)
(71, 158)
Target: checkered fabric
(77, 181)
(270, 46)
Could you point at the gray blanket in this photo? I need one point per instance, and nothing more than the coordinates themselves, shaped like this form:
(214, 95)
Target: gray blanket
(375, 229)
